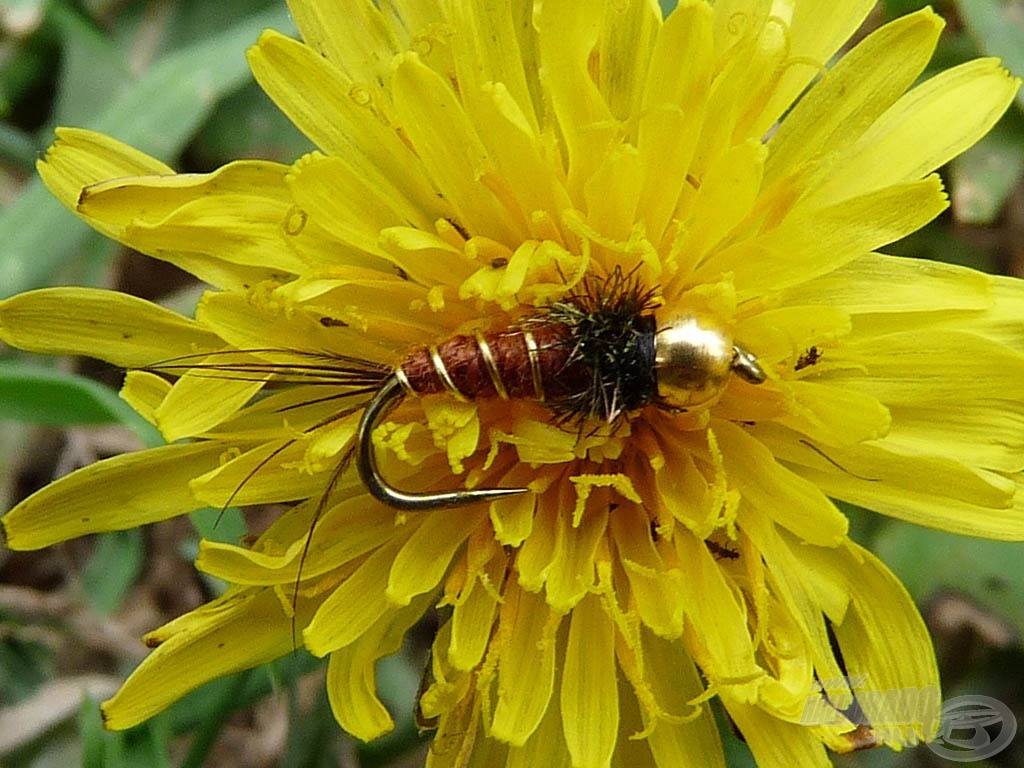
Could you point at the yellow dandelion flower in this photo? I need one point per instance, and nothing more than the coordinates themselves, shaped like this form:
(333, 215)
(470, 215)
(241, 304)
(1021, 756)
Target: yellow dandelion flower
(701, 189)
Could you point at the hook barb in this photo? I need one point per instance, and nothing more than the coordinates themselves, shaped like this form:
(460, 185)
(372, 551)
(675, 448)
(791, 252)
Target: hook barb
(387, 398)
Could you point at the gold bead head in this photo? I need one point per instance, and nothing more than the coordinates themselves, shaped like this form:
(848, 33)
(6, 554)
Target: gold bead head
(693, 360)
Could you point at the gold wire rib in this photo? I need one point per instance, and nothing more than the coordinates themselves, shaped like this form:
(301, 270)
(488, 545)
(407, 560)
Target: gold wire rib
(404, 381)
(492, 367)
(532, 351)
(444, 376)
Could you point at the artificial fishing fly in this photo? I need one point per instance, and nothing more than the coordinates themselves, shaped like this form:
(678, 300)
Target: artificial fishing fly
(603, 351)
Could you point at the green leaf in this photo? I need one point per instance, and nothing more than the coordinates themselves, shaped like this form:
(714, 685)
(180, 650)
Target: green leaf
(223, 525)
(929, 562)
(191, 20)
(998, 28)
(177, 94)
(92, 67)
(248, 124)
(146, 746)
(24, 665)
(896, 8)
(90, 731)
(54, 398)
(45, 396)
(113, 568)
(158, 113)
(17, 147)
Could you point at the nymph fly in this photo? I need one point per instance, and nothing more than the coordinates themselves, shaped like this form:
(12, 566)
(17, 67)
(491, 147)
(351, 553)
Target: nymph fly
(603, 351)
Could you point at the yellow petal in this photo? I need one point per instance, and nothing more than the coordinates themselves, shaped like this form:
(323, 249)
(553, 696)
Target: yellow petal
(808, 596)
(343, 533)
(589, 693)
(150, 198)
(879, 283)
(115, 494)
(752, 39)
(673, 111)
(813, 242)
(628, 33)
(787, 498)
(242, 630)
(421, 563)
(567, 34)
(935, 492)
(446, 139)
(121, 329)
(836, 415)
(337, 113)
(929, 126)
(260, 475)
(522, 155)
(328, 28)
(197, 403)
(1002, 323)
(774, 742)
(681, 738)
(512, 517)
(351, 685)
(234, 214)
(424, 256)
(534, 559)
(354, 607)
(885, 646)
(572, 570)
(727, 192)
(653, 585)
(473, 619)
(989, 434)
(255, 322)
(862, 84)
(612, 192)
(487, 51)
(927, 365)
(716, 626)
(683, 490)
(546, 745)
(348, 204)
(816, 32)
(79, 158)
(352, 692)
(144, 392)
(526, 666)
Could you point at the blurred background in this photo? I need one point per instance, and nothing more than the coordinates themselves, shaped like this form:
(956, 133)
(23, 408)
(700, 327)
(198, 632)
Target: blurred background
(169, 77)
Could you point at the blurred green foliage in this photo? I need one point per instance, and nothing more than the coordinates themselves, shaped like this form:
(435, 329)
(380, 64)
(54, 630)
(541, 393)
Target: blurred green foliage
(170, 78)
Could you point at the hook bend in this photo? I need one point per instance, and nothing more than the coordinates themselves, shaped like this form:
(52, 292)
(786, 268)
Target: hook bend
(390, 395)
